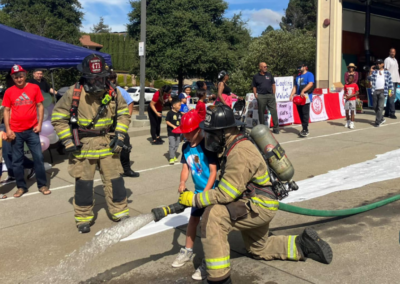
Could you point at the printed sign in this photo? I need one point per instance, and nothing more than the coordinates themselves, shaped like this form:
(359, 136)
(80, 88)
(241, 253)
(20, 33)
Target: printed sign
(285, 113)
(317, 109)
(141, 48)
(284, 87)
(95, 65)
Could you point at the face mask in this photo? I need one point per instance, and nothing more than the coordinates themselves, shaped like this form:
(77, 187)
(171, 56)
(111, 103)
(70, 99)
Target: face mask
(214, 141)
(94, 85)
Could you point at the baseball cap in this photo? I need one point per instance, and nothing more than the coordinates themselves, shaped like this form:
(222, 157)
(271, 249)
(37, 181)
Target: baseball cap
(17, 69)
(379, 61)
(182, 96)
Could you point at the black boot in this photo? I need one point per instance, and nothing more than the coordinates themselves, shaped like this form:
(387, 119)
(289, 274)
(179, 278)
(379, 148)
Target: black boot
(225, 281)
(312, 246)
(130, 173)
(84, 228)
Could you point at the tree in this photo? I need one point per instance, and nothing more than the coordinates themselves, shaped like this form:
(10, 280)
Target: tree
(285, 51)
(189, 38)
(101, 27)
(267, 30)
(300, 14)
(56, 19)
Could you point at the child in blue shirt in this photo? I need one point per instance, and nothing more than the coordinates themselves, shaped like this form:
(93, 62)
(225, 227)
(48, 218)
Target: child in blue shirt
(184, 108)
(203, 166)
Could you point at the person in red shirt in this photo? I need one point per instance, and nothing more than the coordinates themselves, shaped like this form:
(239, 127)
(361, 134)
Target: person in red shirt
(350, 93)
(21, 103)
(160, 98)
(201, 106)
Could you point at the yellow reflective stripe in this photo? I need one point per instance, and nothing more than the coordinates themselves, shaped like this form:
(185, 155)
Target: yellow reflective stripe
(292, 249)
(229, 189)
(84, 219)
(121, 129)
(94, 153)
(121, 214)
(261, 180)
(59, 114)
(64, 134)
(271, 205)
(119, 124)
(125, 110)
(204, 199)
(218, 263)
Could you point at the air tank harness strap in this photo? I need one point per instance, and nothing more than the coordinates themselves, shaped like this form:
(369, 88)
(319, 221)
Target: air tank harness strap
(84, 133)
(239, 138)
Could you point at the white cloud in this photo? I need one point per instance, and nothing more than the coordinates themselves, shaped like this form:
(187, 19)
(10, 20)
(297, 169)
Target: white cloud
(108, 2)
(258, 20)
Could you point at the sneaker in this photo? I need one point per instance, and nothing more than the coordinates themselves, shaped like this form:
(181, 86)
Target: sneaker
(172, 161)
(347, 124)
(200, 273)
(383, 121)
(176, 159)
(159, 139)
(183, 257)
(276, 131)
(351, 125)
(304, 133)
(8, 180)
(31, 173)
(393, 116)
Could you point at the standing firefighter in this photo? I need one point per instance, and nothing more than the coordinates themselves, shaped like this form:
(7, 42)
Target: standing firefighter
(243, 201)
(91, 120)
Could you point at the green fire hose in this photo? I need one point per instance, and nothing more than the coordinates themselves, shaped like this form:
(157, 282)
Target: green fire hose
(336, 213)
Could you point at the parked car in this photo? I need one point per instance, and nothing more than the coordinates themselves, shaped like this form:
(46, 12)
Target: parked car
(135, 94)
(174, 92)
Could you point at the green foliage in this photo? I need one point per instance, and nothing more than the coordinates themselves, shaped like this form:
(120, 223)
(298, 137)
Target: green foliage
(267, 30)
(159, 83)
(300, 14)
(100, 27)
(187, 38)
(55, 19)
(123, 50)
(121, 80)
(146, 83)
(285, 51)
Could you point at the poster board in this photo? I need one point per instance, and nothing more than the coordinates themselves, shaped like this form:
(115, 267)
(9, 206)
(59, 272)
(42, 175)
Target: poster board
(284, 87)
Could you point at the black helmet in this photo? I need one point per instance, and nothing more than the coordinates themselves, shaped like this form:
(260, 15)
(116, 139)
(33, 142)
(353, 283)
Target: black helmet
(219, 117)
(93, 66)
(222, 74)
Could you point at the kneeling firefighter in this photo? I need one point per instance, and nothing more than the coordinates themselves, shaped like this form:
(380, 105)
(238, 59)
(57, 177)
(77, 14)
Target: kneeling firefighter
(91, 120)
(244, 200)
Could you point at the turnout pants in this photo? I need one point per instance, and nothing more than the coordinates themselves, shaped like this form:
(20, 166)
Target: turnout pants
(267, 101)
(217, 223)
(83, 171)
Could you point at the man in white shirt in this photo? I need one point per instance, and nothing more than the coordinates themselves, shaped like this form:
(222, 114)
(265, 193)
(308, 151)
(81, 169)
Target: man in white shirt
(393, 67)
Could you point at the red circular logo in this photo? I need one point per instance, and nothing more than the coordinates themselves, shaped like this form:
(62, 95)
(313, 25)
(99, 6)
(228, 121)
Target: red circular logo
(317, 105)
(268, 148)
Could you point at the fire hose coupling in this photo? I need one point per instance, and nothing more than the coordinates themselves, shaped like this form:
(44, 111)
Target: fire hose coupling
(162, 212)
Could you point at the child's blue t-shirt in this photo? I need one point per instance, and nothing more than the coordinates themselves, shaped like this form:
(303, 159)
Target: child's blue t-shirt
(184, 108)
(198, 160)
(302, 81)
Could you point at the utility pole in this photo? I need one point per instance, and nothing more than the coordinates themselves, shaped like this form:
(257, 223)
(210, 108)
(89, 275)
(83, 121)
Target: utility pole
(142, 54)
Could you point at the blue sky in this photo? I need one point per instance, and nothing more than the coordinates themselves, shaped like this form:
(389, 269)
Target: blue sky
(258, 13)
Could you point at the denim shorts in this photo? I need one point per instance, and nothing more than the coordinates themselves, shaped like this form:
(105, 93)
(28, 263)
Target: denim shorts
(196, 212)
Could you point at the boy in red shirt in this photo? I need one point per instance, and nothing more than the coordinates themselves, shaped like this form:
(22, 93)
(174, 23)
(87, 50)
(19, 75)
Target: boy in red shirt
(201, 106)
(20, 118)
(350, 93)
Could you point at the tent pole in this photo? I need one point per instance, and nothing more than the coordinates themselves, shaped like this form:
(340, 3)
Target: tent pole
(52, 81)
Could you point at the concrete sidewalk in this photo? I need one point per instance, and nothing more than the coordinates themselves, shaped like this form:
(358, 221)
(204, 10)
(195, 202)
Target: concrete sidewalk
(39, 231)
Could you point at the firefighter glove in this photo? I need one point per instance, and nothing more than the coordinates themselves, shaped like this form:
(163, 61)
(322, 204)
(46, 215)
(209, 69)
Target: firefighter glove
(187, 198)
(69, 145)
(117, 144)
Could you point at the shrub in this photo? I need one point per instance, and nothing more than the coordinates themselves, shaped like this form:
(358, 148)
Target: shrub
(120, 80)
(159, 83)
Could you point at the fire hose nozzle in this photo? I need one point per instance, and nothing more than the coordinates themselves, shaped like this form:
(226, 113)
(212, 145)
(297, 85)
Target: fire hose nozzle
(162, 212)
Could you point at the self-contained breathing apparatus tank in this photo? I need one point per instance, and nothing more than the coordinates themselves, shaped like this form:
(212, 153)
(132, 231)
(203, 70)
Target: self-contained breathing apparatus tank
(281, 168)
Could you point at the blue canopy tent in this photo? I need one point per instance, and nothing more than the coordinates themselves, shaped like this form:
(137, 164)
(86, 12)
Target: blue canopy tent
(33, 51)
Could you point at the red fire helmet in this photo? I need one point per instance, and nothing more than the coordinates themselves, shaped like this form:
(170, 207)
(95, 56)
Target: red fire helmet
(16, 69)
(298, 100)
(189, 122)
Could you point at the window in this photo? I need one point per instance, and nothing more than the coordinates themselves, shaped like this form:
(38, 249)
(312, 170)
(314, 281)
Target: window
(132, 90)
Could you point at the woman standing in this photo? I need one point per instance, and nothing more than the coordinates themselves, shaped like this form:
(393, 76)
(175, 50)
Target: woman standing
(224, 91)
(351, 71)
(160, 98)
